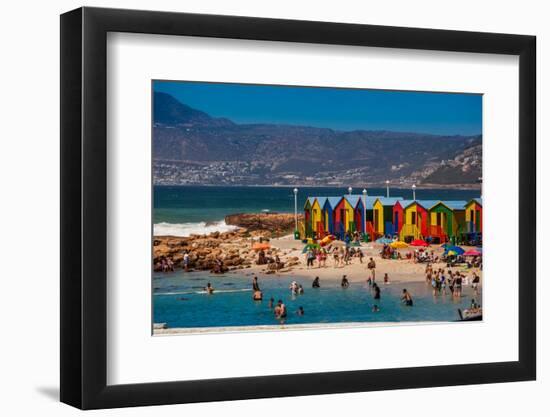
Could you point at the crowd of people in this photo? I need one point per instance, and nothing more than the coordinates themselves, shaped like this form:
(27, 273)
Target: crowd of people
(440, 280)
(317, 257)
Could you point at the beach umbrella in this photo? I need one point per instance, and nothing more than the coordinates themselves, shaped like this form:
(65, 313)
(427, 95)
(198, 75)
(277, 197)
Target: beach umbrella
(457, 249)
(398, 245)
(472, 252)
(451, 253)
(261, 246)
(384, 240)
(311, 246)
(419, 242)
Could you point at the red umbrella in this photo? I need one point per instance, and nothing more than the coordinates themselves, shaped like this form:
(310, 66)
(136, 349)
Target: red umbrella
(418, 242)
(472, 252)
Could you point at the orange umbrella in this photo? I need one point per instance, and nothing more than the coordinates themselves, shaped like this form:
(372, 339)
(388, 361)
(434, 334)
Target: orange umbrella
(261, 246)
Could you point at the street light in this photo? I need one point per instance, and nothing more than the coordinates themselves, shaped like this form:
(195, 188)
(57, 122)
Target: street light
(295, 209)
(414, 191)
(350, 190)
(364, 210)
(388, 188)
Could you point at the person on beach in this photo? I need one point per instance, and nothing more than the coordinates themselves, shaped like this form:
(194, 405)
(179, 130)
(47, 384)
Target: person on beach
(341, 257)
(336, 259)
(475, 283)
(186, 261)
(315, 283)
(300, 311)
(360, 255)
(345, 282)
(310, 257)
(209, 289)
(255, 285)
(407, 298)
(372, 267)
(386, 278)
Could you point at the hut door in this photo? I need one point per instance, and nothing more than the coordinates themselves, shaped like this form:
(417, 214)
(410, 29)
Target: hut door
(478, 220)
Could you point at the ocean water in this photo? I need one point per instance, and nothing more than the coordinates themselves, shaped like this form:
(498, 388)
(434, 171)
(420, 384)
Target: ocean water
(180, 301)
(183, 210)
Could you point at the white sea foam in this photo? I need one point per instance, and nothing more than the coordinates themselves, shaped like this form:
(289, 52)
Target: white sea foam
(187, 229)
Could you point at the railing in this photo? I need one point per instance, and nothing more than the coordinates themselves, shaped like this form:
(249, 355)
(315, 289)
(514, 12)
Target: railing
(436, 231)
(409, 230)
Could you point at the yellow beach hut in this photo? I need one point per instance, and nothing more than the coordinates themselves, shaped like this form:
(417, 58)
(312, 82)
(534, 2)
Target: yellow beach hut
(474, 216)
(318, 220)
(383, 214)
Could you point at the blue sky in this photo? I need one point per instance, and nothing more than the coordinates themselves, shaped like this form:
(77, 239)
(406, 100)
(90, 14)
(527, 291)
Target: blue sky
(337, 108)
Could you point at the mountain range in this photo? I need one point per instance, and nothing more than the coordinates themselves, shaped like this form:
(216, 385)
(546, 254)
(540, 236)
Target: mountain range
(191, 147)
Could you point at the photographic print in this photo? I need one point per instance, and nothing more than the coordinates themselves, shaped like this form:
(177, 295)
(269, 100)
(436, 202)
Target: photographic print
(287, 207)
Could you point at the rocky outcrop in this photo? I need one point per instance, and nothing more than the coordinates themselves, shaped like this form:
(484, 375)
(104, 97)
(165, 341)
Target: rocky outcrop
(217, 252)
(276, 223)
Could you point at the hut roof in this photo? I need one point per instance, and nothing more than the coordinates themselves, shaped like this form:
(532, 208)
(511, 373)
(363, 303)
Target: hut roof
(389, 201)
(427, 204)
(453, 205)
(404, 203)
(478, 200)
(321, 201)
(333, 201)
(353, 199)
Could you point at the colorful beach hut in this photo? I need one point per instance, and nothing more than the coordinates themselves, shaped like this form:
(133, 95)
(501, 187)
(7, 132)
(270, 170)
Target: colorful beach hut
(358, 224)
(318, 217)
(307, 216)
(474, 216)
(343, 218)
(328, 209)
(449, 215)
(416, 219)
(383, 214)
(398, 214)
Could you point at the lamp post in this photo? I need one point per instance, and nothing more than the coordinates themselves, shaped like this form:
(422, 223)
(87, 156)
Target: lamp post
(364, 210)
(388, 188)
(295, 209)
(350, 190)
(414, 191)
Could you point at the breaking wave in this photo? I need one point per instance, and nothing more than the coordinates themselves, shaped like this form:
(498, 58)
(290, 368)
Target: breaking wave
(188, 229)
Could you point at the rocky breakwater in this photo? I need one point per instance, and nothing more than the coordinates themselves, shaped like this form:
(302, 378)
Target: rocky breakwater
(275, 223)
(220, 252)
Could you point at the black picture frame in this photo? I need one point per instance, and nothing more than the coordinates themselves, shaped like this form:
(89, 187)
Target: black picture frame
(84, 207)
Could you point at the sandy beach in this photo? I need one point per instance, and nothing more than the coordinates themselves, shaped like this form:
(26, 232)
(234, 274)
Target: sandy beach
(398, 270)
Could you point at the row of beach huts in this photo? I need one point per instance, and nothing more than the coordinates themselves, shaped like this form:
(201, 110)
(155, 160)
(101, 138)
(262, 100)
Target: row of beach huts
(377, 216)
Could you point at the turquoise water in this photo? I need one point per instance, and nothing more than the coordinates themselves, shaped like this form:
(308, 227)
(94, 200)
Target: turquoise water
(179, 301)
(180, 210)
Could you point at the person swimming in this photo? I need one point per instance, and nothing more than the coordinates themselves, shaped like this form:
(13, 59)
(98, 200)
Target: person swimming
(406, 298)
(257, 295)
(209, 288)
(315, 283)
(375, 308)
(345, 282)
(300, 311)
(271, 301)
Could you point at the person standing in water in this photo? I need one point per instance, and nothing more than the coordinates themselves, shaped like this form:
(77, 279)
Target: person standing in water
(255, 285)
(372, 267)
(376, 290)
(345, 282)
(315, 283)
(407, 298)
(209, 288)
